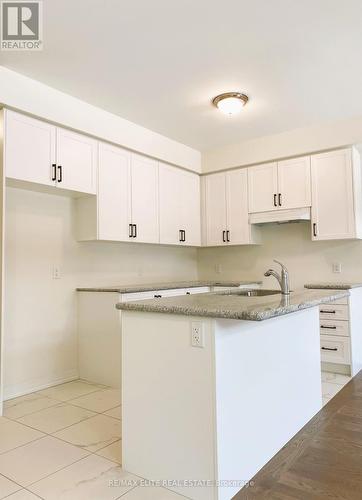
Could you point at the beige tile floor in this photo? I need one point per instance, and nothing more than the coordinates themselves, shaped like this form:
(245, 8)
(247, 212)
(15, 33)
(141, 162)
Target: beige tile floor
(64, 443)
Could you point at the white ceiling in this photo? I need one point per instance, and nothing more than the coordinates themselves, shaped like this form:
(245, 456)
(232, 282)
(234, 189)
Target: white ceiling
(159, 62)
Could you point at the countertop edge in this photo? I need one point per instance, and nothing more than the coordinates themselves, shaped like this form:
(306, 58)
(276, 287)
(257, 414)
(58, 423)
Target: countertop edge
(147, 306)
(148, 287)
(332, 286)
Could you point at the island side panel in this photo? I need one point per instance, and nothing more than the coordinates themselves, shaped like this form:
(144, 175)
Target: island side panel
(99, 338)
(355, 329)
(168, 401)
(268, 385)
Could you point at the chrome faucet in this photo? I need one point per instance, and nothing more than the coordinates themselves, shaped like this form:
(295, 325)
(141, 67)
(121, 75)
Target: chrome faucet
(283, 278)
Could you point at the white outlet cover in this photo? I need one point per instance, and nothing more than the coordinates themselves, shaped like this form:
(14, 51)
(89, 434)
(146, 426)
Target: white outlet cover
(197, 334)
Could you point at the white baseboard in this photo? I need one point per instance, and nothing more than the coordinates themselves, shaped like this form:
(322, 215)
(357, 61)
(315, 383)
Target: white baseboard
(37, 385)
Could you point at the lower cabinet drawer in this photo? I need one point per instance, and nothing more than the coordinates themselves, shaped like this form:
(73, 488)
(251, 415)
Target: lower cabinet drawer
(333, 311)
(329, 327)
(335, 349)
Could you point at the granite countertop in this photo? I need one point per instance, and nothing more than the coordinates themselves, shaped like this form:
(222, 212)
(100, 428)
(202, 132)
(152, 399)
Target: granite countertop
(332, 286)
(146, 287)
(231, 305)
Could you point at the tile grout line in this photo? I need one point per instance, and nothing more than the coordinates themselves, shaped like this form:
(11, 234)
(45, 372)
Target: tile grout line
(46, 434)
(70, 465)
(59, 403)
(40, 392)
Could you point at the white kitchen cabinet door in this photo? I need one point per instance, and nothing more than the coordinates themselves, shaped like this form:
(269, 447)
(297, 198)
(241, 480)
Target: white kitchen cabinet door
(76, 161)
(215, 208)
(145, 206)
(170, 205)
(179, 193)
(114, 193)
(294, 183)
(190, 208)
(29, 149)
(238, 229)
(332, 196)
(263, 187)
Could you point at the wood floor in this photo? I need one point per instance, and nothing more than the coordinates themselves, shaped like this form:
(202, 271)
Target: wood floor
(323, 461)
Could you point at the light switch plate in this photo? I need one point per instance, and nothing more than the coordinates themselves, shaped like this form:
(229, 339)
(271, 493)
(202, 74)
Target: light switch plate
(218, 268)
(337, 267)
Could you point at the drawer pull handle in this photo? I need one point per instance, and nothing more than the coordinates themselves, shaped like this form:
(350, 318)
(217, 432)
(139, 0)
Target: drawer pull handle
(329, 348)
(328, 312)
(329, 327)
(157, 296)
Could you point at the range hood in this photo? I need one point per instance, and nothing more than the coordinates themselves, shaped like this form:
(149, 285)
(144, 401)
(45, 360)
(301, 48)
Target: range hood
(280, 216)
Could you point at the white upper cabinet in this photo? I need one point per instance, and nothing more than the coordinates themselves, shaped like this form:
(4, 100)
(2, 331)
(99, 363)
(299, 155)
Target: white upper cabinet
(76, 161)
(179, 194)
(263, 187)
(190, 208)
(41, 153)
(238, 228)
(294, 187)
(226, 209)
(29, 149)
(282, 185)
(144, 199)
(114, 193)
(336, 195)
(215, 209)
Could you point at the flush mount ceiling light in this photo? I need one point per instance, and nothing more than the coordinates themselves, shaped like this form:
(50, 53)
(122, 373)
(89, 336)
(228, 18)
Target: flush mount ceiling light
(230, 103)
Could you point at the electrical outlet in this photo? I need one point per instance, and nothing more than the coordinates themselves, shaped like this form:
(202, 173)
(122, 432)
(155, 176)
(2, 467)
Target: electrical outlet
(56, 273)
(197, 334)
(337, 267)
(218, 268)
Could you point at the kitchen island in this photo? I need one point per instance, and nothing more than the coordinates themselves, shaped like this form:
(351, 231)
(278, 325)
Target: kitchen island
(213, 385)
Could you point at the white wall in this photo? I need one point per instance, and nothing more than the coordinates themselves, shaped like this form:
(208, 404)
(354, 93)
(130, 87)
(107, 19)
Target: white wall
(307, 261)
(292, 143)
(40, 340)
(31, 96)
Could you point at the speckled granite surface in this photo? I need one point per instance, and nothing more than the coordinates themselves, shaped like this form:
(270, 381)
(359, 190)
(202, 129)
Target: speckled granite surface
(146, 287)
(332, 286)
(230, 305)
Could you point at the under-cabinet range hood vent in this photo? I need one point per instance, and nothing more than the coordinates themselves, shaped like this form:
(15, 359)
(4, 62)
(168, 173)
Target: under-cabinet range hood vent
(280, 216)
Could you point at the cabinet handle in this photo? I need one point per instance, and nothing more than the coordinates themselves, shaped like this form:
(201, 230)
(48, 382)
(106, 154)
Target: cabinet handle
(329, 348)
(328, 312)
(188, 293)
(329, 327)
(158, 296)
(184, 235)
(60, 171)
(135, 230)
(54, 176)
(180, 234)
(280, 199)
(314, 229)
(130, 230)
(228, 236)
(223, 236)
(275, 200)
